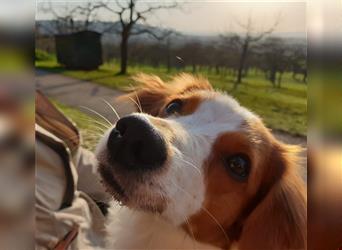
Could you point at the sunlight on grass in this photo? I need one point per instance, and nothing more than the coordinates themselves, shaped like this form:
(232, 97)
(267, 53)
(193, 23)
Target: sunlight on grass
(89, 127)
(282, 108)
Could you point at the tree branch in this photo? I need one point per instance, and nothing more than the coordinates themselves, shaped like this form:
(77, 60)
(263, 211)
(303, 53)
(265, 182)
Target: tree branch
(153, 8)
(160, 37)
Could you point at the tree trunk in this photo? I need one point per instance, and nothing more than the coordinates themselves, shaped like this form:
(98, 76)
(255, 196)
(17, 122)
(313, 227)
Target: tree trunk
(273, 74)
(124, 53)
(241, 64)
(279, 79)
(168, 56)
(305, 75)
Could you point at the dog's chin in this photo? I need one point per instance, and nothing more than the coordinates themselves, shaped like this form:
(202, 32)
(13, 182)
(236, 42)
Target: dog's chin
(142, 200)
(112, 186)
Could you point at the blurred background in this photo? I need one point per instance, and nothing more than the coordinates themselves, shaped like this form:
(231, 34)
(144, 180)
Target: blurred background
(256, 51)
(16, 125)
(264, 53)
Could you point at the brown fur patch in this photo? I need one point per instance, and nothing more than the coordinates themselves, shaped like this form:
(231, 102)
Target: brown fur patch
(266, 212)
(225, 196)
(190, 103)
(152, 94)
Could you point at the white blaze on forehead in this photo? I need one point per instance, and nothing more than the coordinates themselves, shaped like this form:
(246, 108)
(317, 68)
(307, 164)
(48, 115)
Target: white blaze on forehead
(216, 114)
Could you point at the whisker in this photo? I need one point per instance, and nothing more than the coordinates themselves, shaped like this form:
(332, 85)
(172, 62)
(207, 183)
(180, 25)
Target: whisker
(190, 164)
(84, 137)
(86, 134)
(214, 219)
(94, 127)
(92, 136)
(112, 108)
(97, 113)
(95, 121)
(138, 100)
(192, 232)
(205, 210)
(135, 104)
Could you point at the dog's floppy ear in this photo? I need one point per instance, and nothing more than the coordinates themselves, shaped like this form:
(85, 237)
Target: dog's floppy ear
(151, 94)
(279, 220)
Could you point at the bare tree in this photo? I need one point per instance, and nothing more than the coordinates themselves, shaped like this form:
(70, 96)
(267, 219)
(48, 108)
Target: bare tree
(130, 14)
(71, 19)
(243, 43)
(168, 40)
(298, 61)
(274, 55)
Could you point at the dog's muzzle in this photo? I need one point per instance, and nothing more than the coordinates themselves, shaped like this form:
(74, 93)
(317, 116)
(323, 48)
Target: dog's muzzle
(136, 145)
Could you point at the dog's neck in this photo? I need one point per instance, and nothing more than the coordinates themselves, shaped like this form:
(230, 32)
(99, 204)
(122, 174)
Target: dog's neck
(129, 229)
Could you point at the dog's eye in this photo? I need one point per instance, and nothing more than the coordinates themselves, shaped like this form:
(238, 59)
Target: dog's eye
(174, 107)
(238, 166)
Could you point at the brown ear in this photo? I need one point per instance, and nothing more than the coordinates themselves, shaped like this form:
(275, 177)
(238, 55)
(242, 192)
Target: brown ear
(149, 94)
(152, 94)
(279, 221)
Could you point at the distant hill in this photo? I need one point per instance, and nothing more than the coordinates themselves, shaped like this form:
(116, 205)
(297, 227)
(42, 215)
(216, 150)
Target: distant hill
(109, 29)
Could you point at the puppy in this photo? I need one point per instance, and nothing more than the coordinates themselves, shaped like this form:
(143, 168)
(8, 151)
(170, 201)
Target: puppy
(194, 169)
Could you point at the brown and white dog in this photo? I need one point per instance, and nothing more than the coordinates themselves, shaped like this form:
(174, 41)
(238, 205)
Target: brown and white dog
(194, 169)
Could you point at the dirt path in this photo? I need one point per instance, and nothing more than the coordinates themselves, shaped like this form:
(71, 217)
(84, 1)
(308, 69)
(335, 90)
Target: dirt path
(76, 93)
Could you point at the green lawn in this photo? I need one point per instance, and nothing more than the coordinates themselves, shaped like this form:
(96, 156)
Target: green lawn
(89, 126)
(282, 109)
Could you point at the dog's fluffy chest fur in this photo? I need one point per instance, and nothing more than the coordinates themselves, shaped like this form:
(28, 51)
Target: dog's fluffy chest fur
(129, 229)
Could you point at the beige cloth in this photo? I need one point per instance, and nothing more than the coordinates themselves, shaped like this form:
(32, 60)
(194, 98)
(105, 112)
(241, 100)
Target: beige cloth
(60, 204)
(67, 184)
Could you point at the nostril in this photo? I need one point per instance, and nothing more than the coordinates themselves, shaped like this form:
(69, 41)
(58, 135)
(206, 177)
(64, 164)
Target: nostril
(135, 144)
(113, 139)
(114, 134)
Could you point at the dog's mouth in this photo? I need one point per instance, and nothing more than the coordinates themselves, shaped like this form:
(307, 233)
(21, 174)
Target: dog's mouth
(132, 192)
(112, 185)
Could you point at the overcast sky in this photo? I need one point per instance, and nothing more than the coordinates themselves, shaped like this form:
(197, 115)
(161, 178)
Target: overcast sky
(213, 17)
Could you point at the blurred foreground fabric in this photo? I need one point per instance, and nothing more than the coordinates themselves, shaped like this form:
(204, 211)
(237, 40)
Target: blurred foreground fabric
(66, 216)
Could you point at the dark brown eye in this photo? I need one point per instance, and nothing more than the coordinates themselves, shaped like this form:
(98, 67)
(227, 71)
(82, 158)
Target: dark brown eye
(174, 107)
(238, 166)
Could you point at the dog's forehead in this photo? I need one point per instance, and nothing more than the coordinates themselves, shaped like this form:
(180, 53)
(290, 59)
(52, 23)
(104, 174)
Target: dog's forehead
(220, 106)
(217, 113)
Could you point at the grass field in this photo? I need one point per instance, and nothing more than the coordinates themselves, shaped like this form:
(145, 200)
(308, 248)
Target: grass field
(89, 126)
(282, 108)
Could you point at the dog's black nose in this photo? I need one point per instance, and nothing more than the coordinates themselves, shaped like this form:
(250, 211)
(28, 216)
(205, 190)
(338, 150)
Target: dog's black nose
(134, 143)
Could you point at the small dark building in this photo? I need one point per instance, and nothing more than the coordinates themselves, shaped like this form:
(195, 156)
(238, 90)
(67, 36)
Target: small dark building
(81, 50)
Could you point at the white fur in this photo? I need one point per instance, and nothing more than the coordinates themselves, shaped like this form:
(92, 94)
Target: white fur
(183, 183)
(130, 229)
(195, 135)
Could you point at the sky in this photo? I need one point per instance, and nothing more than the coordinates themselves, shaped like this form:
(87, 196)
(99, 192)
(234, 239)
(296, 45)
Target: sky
(217, 17)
